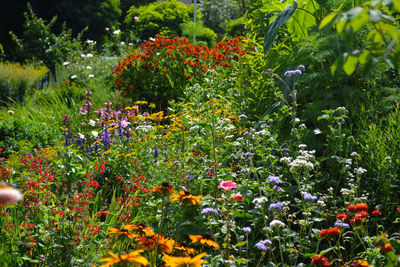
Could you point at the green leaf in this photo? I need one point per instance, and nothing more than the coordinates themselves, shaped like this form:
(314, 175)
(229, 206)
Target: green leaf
(240, 244)
(363, 57)
(303, 19)
(396, 5)
(272, 29)
(340, 26)
(350, 65)
(327, 19)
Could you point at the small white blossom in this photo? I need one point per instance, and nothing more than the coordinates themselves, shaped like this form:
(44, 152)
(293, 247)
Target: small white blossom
(95, 134)
(276, 223)
(73, 76)
(66, 63)
(92, 123)
(117, 32)
(354, 154)
(317, 131)
(91, 76)
(89, 55)
(360, 170)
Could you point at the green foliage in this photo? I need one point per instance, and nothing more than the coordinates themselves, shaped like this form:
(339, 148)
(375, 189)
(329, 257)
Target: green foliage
(17, 134)
(378, 23)
(162, 18)
(199, 33)
(217, 14)
(236, 27)
(17, 80)
(40, 43)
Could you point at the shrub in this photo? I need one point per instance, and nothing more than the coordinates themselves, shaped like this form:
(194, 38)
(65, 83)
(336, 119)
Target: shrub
(40, 43)
(198, 33)
(17, 133)
(143, 75)
(162, 18)
(16, 80)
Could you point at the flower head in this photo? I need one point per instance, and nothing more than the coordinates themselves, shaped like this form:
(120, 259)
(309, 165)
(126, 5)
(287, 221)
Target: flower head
(132, 257)
(335, 231)
(227, 185)
(164, 189)
(263, 245)
(196, 261)
(357, 208)
(308, 196)
(122, 232)
(386, 248)
(209, 211)
(247, 230)
(274, 180)
(277, 206)
(320, 260)
(205, 239)
(186, 198)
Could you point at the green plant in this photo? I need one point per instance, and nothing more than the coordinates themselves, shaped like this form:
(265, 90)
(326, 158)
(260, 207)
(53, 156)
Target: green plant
(162, 18)
(17, 80)
(198, 33)
(40, 43)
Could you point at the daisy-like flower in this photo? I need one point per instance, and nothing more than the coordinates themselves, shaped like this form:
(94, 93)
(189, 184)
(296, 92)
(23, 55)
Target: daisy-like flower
(122, 232)
(183, 247)
(9, 195)
(165, 244)
(140, 229)
(165, 189)
(186, 198)
(204, 239)
(184, 261)
(132, 257)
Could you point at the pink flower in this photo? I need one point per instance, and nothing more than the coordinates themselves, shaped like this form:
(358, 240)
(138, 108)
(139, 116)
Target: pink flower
(238, 197)
(227, 185)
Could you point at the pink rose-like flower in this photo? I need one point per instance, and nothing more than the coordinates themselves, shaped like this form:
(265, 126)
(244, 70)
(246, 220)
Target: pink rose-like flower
(238, 197)
(227, 185)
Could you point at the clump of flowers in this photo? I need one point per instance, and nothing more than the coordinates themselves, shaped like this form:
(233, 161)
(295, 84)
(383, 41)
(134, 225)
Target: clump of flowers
(331, 232)
(320, 260)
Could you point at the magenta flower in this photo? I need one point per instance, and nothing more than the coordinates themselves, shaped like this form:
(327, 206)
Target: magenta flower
(227, 185)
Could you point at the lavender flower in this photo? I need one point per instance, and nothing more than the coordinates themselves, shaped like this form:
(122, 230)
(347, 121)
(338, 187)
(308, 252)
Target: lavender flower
(209, 211)
(264, 245)
(242, 117)
(308, 196)
(246, 230)
(277, 188)
(274, 180)
(342, 224)
(277, 206)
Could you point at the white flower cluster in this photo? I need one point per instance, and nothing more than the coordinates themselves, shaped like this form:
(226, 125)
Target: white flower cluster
(259, 201)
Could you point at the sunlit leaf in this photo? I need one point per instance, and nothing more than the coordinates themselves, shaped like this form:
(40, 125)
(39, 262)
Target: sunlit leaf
(350, 65)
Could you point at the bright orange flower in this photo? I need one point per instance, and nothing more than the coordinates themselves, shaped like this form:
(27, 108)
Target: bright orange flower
(164, 189)
(122, 231)
(186, 198)
(184, 261)
(204, 239)
(360, 263)
(166, 245)
(335, 231)
(388, 247)
(140, 229)
(132, 257)
(185, 249)
(357, 208)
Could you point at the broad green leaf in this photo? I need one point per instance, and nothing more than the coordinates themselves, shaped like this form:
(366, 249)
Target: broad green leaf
(363, 57)
(396, 5)
(350, 65)
(272, 28)
(272, 7)
(240, 244)
(358, 22)
(303, 19)
(327, 19)
(340, 26)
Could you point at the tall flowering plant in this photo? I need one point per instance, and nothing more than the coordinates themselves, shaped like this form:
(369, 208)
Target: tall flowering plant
(159, 70)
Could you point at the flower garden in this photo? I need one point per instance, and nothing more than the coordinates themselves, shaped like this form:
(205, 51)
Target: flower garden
(276, 148)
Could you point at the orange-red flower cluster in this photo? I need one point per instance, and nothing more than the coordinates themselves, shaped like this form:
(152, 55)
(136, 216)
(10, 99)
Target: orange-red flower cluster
(335, 231)
(320, 260)
(343, 217)
(357, 208)
(386, 248)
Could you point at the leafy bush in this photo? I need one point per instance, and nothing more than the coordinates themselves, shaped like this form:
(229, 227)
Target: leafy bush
(16, 80)
(162, 18)
(17, 133)
(198, 33)
(40, 43)
(143, 75)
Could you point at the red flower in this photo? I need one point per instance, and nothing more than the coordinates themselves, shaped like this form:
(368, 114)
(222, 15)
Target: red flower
(388, 247)
(335, 231)
(355, 221)
(362, 214)
(320, 260)
(376, 213)
(357, 208)
(343, 217)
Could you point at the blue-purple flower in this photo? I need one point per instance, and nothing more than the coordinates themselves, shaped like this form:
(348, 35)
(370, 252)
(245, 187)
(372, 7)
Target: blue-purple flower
(209, 211)
(246, 230)
(264, 244)
(274, 180)
(308, 196)
(277, 206)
